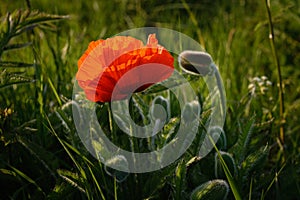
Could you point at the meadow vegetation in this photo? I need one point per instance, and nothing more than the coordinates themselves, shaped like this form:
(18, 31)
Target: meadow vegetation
(41, 154)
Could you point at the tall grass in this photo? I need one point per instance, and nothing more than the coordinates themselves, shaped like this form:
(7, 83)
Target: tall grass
(41, 154)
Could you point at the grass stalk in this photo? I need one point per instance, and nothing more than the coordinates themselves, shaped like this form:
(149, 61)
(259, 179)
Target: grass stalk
(115, 188)
(250, 190)
(39, 90)
(279, 76)
(273, 181)
(96, 182)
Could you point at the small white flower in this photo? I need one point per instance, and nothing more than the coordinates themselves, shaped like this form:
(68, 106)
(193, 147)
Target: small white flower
(251, 86)
(264, 78)
(256, 79)
(261, 83)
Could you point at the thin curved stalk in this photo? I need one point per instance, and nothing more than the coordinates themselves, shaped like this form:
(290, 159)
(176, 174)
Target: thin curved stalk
(276, 60)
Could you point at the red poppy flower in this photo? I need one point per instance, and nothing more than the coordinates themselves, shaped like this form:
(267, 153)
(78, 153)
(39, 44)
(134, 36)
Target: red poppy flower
(112, 69)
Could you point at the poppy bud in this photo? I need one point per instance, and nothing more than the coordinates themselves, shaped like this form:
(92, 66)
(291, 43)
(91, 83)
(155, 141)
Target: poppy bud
(195, 62)
(229, 161)
(118, 161)
(215, 189)
(160, 108)
(191, 111)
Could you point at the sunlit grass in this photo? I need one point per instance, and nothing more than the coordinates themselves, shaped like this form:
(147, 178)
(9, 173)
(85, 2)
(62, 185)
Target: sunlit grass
(41, 154)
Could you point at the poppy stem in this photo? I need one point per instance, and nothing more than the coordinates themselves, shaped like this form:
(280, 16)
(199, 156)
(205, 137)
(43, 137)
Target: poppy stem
(221, 88)
(154, 132)
(110, 118)
(218, 109)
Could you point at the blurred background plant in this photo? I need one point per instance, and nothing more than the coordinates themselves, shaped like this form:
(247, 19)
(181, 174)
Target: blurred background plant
(41, 154)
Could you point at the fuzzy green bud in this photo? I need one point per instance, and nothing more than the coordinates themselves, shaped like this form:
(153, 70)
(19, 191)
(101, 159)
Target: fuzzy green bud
(160, 108)
(191, 111)
(120, 162)
(228, 159)
(211, 190)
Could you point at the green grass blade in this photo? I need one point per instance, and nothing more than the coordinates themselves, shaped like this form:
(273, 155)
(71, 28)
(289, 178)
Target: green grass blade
(27, 178)
(51, 130)
(250, 189)
(96, 182)
(77, 152)
(16, 46)
(78, 166)
(10, 64)
(54, 91)
(274, 179)
(229, 177)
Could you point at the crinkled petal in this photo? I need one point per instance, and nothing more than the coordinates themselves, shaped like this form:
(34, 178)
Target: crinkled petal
(105, 62)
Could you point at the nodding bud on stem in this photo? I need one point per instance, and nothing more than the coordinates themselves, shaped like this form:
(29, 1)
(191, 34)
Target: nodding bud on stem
(195, 62)
(160, 108)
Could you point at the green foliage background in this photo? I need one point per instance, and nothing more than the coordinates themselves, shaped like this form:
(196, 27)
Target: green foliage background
(40, 153)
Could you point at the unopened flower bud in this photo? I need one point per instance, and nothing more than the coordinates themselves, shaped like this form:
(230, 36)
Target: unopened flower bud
(191, 111)
(195, 62)
(160, 108)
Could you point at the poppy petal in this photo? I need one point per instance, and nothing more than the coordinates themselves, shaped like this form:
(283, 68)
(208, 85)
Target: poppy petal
(105, 62)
